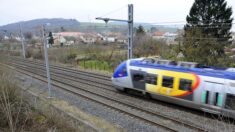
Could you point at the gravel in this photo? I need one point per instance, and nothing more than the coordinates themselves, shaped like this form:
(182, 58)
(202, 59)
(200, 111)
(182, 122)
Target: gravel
(119, 119)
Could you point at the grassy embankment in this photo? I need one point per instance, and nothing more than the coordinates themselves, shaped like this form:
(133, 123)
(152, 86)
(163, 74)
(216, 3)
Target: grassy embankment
(16, 113)
(103, 58)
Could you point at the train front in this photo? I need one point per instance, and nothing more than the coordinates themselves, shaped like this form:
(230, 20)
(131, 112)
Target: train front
(120, 77)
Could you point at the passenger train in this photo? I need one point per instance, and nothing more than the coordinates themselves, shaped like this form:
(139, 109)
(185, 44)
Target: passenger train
(184, 83)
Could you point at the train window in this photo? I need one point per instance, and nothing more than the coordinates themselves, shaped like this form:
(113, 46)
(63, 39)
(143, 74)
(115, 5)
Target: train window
(138, 77)
(167, 81)
(207, 97)
(151, 79)
(185, 85)
(216, 98)
(174, 63)
(220, 100)
(230, 102)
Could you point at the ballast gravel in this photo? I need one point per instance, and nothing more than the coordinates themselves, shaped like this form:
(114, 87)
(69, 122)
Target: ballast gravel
(126, 122)
(121, 120)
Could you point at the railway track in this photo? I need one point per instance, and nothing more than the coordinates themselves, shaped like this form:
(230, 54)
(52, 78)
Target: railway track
(77, 71)
(72, 76)
(72, 73)
(120, 105)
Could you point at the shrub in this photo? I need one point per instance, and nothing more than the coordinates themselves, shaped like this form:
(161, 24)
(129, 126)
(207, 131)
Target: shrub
(13, 108)
(71, 56)
(16, 113)
(29, 52)
(38, 54)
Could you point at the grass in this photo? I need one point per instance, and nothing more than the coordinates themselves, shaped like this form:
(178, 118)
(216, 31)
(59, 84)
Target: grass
(99, 57)
(97, 65)
(88, 57)
(95, 121)
(16, 113)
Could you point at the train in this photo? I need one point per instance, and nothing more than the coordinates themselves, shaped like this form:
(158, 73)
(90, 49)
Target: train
(187, 84)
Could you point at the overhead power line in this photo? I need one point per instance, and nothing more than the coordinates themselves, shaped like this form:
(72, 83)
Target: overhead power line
(201, 38)
(213, 24)
(114, 11)
(183, 22)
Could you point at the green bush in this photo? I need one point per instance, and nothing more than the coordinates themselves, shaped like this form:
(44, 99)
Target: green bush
(97, 65)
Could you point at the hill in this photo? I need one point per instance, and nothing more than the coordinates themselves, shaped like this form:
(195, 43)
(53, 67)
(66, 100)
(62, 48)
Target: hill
(60, 24)
(34, 26)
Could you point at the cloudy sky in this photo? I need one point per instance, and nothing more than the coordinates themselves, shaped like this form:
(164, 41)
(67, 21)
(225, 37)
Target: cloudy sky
(151, 11)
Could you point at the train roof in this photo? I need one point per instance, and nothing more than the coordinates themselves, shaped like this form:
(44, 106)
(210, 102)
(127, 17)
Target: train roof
(212, 72)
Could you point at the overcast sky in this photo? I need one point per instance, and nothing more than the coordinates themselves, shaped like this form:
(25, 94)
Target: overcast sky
(150, 11)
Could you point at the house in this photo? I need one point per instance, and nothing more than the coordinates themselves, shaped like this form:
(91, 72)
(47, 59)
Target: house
(122, 39)
(89, 38)
(58, 39)
(62, 40)
(86, 38)
(68, 34)
(170, 37)
(112, 37)
(6, 37)
(158, 35)
(109, 39)
(166, 36)
(18, 38)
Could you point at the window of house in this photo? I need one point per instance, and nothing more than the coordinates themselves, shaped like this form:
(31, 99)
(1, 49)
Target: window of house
(138, 77)
(167, 81)
(185, 85)
(151, 79)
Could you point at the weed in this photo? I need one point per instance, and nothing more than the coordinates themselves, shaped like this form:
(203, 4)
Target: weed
(16, 113)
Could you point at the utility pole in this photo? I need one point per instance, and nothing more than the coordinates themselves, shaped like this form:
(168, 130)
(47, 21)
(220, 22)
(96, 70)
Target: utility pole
(130, 30)
(46, 60)
(130, 22)
(22, 42)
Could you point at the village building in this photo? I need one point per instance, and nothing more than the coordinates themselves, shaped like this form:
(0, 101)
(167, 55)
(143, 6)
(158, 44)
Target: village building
(168, 37)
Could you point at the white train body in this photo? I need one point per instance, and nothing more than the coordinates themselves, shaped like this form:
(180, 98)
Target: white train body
(207, 89)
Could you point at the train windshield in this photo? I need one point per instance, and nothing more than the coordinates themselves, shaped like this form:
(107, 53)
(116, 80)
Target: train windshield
(121, 70)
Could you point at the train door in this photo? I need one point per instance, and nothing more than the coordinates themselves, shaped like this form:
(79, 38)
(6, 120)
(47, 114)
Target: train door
(213, 94)
(138, 79)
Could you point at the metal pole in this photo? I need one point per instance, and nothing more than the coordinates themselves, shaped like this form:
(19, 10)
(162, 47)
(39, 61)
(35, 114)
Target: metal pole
(46, 61)
(130, 22)
(130, 30)
(22, 41)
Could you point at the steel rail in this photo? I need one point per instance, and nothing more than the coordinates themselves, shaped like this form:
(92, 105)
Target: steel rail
(158, 114)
